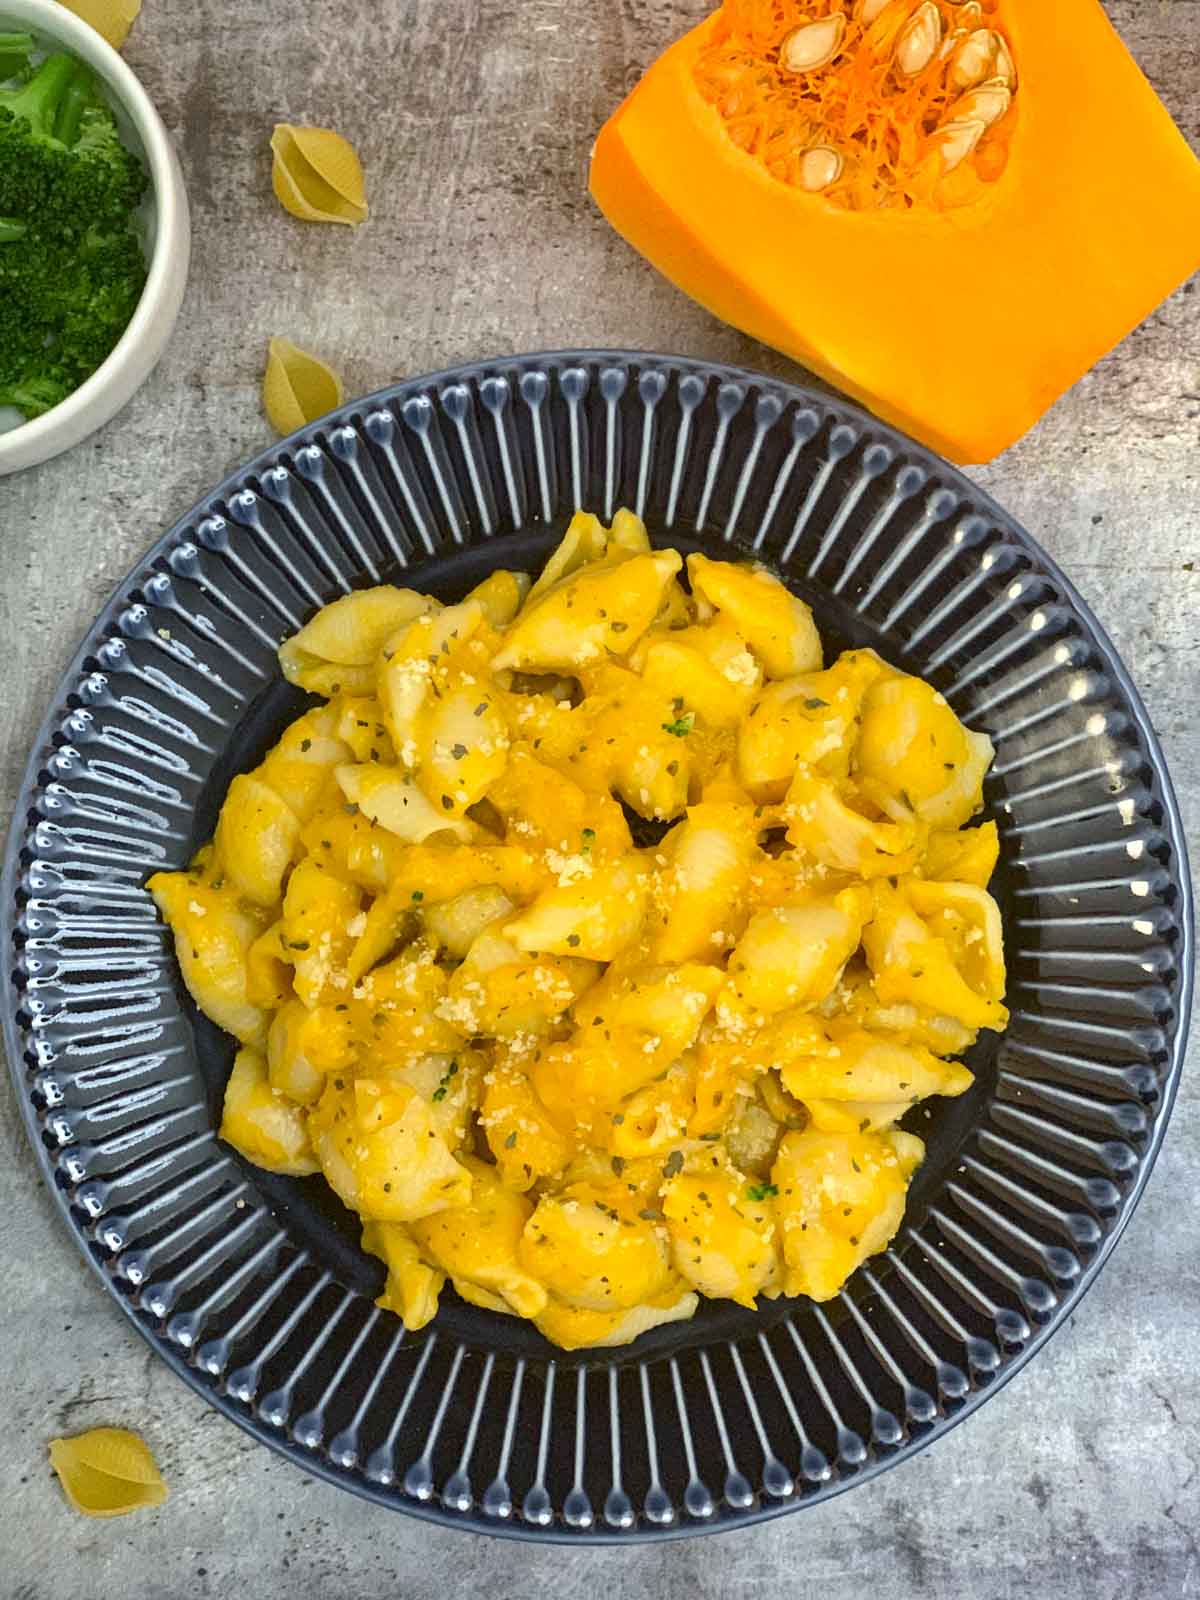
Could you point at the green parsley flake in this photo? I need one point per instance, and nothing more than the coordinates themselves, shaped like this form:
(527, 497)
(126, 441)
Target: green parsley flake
(440, 1092)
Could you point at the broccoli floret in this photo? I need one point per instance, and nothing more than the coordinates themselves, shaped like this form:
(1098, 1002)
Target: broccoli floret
(38, 394)
(15, 50)
(71, 268)
(61, 158)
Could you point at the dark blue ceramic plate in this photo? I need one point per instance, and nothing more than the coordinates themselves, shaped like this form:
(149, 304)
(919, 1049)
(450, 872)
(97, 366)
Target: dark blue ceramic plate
(253, 1287)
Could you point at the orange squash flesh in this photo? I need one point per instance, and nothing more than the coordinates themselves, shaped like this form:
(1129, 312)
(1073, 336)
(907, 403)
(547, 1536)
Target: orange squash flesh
(961, 327)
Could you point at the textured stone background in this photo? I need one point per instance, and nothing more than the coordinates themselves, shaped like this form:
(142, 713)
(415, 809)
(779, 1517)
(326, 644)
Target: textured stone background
(474, 119)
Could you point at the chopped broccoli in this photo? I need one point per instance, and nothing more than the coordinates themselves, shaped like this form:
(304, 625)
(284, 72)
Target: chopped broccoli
(71, 267)
(15, 50)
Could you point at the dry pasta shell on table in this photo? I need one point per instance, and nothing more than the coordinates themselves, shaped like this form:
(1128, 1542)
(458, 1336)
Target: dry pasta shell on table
(112, 19)
(107, 1472)
(297, 387)
(317, 175)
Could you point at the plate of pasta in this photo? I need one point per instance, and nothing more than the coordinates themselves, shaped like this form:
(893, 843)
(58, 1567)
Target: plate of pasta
(600, 947)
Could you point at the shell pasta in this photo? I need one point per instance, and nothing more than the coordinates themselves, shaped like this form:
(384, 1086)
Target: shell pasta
(592, 936)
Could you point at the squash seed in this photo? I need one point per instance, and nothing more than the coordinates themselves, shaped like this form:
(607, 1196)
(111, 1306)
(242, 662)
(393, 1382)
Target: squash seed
(957, 140)
(987, 104)
(868, 10)
(918, 40)
(1004, 61)
(972, 61)
(814, 44)
(819, 167)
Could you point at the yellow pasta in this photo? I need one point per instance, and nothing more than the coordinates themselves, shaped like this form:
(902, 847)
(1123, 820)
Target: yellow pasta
(107, 1472)
(587, 1075)
(317, 175)
(112, 19)
(298, 388)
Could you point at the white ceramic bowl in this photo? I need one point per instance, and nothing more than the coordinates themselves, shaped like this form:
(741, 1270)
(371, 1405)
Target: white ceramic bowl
(167, 237)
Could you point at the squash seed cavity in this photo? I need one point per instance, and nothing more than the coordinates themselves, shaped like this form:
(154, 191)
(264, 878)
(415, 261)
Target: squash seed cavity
(867, 104)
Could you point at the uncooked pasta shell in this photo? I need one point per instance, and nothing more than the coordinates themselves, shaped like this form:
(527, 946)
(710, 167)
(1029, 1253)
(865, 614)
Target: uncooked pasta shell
(107, 1472)
(317, 175)
(112, 19)
(297, 387)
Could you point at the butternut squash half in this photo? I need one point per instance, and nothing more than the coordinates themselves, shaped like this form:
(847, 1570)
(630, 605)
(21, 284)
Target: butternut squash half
(950, 209)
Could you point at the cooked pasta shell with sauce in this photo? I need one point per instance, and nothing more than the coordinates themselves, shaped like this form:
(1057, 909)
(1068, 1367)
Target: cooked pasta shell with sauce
(317, 175)
(301, 765)
(840, 1198)
(319, 911)
(457, 923)
(256, 838)
(793, 955)
(585, 540)
(480, 1242)
(930, 960)
(390, 797)
(413, 1286)
(463, 750)
(594, 917)
(379, 1140)
(501, 596)
(699, 902)
(854, 1116)
(575, 828)
(214, 931)
(777, 627)
(722, 1238)
(592, 1259)
(654, 1119)
(353, 629)
(525, 1143)
(268, 975)
(822, 822)
(628, 533)
(709, 668)
(597, 609)
(630, 738)
(508, 993)
(809, 720)
(913, 747)
(577, 1329)
(304, 1046)
(966, 856)
(266, 1126)
(856, 1066)
(593, 937)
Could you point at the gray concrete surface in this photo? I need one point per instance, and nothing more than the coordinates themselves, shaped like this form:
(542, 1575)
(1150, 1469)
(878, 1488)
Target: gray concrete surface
(474, 119)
